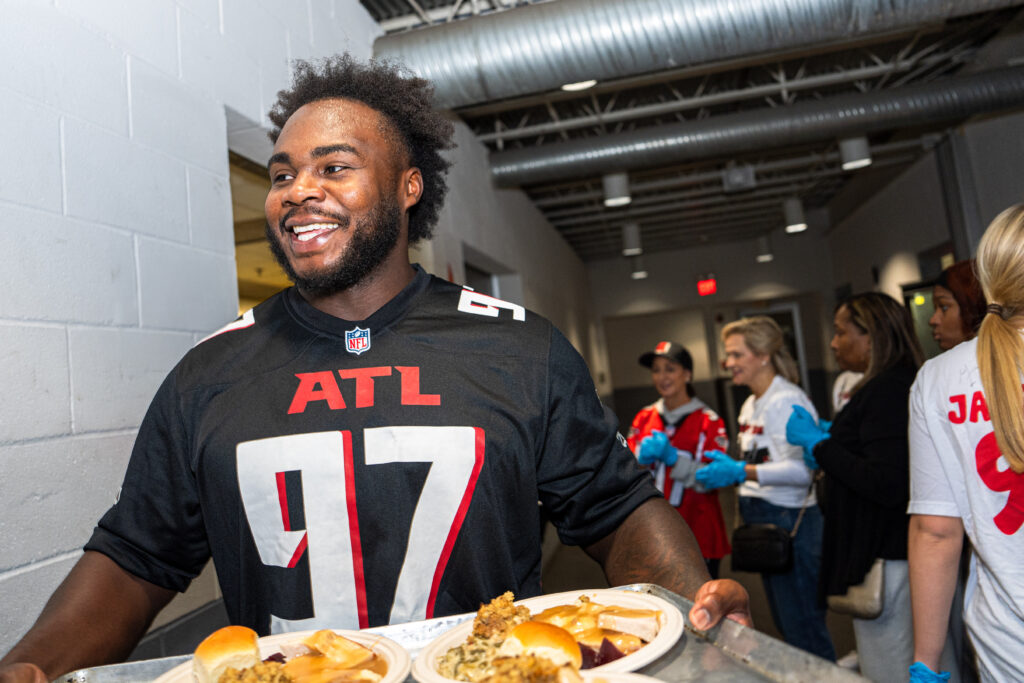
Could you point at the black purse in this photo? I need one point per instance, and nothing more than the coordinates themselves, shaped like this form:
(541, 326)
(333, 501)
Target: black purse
(765, 548)
(762, 548)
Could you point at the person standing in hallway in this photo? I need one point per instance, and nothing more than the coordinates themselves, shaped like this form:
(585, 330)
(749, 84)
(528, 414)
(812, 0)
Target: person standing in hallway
(864, 458)
(959, 305)
(670, 436)
(967, 474)
(775, 483)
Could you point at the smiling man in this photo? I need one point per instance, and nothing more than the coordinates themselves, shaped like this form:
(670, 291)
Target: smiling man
(369, 446)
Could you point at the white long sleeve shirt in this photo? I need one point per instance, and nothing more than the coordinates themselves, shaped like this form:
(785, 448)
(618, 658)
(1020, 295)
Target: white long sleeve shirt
(783, 478)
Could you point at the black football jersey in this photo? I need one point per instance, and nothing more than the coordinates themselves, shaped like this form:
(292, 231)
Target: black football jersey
(352, 474)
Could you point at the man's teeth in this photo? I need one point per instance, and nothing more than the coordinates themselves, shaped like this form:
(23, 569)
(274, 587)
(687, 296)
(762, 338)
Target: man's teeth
(308, 232)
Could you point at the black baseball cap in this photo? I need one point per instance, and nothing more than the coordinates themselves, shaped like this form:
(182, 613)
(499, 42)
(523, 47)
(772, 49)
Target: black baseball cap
(670, 350)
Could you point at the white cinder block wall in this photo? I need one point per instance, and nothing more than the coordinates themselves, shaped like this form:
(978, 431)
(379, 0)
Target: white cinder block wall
(115, 226)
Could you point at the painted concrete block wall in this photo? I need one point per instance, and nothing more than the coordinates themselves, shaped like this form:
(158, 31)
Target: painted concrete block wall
(117, 237)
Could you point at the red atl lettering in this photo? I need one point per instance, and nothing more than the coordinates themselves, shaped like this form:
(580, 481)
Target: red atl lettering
(364, 383)
(411, 395)
(308, 391)
(986, 455)
(322, 386)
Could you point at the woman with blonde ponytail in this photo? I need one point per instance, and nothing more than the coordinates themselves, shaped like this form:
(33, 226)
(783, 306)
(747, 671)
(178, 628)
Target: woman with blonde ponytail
(967, 473)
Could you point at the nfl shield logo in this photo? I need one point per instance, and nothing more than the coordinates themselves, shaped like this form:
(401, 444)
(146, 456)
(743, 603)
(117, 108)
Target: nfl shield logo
(357, 341)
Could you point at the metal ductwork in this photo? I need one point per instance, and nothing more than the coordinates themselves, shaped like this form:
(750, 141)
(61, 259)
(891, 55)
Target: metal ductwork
(543, 46)
(952, 99)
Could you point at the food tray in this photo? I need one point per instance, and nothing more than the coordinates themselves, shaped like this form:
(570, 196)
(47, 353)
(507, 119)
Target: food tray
(725, 654)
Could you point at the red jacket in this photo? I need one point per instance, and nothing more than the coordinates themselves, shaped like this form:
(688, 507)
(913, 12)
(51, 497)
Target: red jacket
(700, 431)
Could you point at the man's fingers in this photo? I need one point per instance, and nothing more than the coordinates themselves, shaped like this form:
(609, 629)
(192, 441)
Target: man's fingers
(721, 599)
(22, 673)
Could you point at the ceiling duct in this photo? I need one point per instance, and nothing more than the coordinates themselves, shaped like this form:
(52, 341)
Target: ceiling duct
(812, 121)
(542, 46)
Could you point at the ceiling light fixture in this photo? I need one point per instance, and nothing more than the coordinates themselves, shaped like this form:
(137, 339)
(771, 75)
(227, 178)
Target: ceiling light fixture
(616, 189)
(579, 85)
(631, 240)
(764, 250)
(793, 210)
(855, 152)
(637, 272)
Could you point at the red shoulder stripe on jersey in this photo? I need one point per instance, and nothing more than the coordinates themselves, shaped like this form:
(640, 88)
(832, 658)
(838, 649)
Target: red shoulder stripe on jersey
(460, 516)
(353, 532)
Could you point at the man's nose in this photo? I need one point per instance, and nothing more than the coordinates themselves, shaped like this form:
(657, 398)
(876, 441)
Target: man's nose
(305, 187)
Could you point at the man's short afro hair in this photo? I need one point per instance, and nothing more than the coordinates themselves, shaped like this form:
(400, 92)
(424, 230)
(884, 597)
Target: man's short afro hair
(404, 99)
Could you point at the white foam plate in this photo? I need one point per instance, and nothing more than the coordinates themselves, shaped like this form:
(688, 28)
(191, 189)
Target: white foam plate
(599, 675)
(395, 655)
(424, 668)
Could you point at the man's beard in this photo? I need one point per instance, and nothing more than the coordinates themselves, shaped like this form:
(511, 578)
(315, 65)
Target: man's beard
(372, 239)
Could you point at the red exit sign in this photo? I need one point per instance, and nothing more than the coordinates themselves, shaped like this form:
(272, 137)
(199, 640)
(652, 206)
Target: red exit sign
(706, 287)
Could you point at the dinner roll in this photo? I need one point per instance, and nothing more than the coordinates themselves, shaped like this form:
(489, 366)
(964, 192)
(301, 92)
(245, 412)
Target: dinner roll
(231, 646)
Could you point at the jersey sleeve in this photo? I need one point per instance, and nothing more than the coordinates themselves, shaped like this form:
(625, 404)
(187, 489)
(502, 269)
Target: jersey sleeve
(787, 467)
(587, 478)
(930, 490)
(155, 529)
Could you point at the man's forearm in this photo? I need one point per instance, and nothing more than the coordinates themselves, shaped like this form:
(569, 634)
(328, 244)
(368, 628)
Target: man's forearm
(652, 545)
(96, 616)
(933, 554)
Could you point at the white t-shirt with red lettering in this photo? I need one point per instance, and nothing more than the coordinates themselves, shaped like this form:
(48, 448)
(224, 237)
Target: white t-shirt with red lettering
(956, 470)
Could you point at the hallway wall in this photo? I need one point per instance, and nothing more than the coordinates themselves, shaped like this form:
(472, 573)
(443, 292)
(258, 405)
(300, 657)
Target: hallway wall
(118, 237)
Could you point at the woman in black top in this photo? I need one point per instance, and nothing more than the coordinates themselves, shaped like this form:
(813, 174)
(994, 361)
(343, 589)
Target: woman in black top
(865, 460)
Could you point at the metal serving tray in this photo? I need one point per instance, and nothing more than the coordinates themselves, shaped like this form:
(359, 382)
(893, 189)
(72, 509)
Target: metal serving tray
(727, 653)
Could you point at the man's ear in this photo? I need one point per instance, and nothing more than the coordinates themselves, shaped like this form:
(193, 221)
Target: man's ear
(411, 189)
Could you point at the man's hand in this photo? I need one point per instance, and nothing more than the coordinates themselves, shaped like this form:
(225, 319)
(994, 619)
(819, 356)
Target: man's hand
(22, 673)
(717, 600)
(656, 448)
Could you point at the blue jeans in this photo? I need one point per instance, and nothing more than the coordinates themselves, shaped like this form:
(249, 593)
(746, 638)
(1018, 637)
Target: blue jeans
(793, 596)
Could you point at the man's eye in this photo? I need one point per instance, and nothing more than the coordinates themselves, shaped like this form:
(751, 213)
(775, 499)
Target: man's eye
(335, 168)
(281, 177)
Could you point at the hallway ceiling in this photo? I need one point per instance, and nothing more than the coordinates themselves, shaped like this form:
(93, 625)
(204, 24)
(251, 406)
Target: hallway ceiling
(715, 197)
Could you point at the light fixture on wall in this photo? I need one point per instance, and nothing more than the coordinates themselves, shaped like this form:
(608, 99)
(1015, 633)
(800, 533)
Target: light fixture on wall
(793, 210)
(637, 270)
(616, 189)
(764, 250)
(855, 152)
(631, 240)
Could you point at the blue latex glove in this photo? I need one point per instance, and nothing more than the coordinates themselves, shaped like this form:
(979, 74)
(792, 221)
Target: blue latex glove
(802, 430)
(721, 471)
(920, 673)
(825, 424)
(656, 448)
